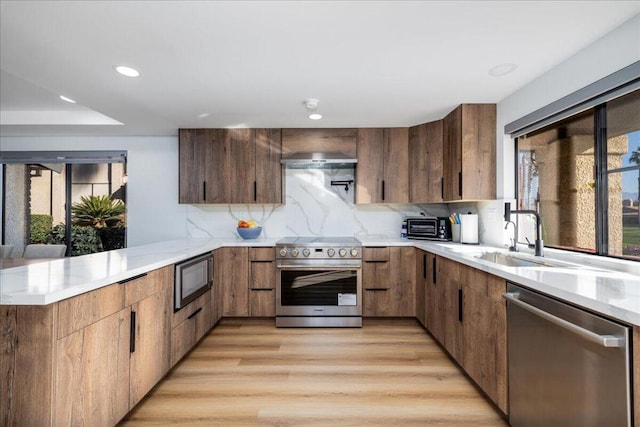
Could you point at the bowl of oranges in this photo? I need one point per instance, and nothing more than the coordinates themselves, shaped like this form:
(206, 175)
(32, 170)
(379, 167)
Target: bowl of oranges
(248, 229)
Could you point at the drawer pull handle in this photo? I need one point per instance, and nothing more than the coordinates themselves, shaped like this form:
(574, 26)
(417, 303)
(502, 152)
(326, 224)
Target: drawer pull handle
(131, 279)
(192, 315)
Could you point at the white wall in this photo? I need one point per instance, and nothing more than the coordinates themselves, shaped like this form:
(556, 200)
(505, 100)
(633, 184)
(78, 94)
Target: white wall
(612, 52)
(153, 212)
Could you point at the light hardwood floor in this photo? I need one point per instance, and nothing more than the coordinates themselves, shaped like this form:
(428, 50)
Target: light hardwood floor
(246, 372)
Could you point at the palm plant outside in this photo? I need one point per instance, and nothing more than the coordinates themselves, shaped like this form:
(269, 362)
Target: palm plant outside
(98, 211)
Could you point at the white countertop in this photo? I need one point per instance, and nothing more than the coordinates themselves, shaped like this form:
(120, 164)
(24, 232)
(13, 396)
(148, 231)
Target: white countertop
(588, 284)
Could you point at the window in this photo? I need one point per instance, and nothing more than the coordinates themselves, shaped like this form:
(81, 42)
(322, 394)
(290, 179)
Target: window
(582, 174)
(72, 198)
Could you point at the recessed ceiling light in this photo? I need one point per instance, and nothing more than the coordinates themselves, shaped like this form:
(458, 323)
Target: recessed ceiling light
(502, 70)
(203, 115)
(127, 71)
(315, 116)
(64, 98)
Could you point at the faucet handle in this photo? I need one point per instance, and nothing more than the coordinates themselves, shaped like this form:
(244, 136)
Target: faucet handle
(531, 245)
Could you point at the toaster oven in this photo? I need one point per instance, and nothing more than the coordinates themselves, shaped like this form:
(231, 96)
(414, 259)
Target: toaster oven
(437, 228)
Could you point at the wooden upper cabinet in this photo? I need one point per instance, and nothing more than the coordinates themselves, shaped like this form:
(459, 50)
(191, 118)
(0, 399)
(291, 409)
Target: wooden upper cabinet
(242, 165)
(230, 166)
(469, 134)
(268, 152)
(192, 164)
(382, 174)
(425, 163)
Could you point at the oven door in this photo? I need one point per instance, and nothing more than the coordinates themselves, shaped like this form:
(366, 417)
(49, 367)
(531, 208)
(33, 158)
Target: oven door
(423, 228)
(319, 291)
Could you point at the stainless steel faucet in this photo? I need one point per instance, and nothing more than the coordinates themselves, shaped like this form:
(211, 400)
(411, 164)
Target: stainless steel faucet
(539, 244)
(513, 247)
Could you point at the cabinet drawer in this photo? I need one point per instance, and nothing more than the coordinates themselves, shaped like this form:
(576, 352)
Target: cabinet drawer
(140, 287)
(202, 301)
(80, 311)
(196, 323)
(183, 337)
(375, 254)
(262, 254)
(262, 302)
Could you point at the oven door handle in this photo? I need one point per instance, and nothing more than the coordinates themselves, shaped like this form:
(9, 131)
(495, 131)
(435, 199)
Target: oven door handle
(320, 266)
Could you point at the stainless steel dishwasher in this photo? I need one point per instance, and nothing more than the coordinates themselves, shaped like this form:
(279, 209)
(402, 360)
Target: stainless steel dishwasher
(567, 367)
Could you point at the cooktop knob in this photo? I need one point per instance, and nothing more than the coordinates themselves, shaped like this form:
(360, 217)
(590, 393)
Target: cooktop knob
(342, 252)
(331, 252)
(354, 252)
(294, 252)
(283, 252)
(306, 252)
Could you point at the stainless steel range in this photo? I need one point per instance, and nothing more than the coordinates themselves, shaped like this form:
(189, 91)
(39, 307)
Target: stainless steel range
(319, 282)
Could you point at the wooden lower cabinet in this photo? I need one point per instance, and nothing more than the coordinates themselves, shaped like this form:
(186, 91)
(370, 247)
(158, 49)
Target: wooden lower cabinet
(421, 286)
(93, 373)
(484, 338)
(262, 282)
(189, 325)
(232, 276)
(388, 281)
(76, 362)
(466, 313)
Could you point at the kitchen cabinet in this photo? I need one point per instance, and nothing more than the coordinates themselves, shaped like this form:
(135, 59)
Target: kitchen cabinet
(421, 286)
(149, 298)
(230, 166)
(432, 310)
(426, 182)
(382, 175)
(469, 155)
(388, 281)
(469, 320)
(86, 360)
(189, 325)
(232, 276)
(262, 282)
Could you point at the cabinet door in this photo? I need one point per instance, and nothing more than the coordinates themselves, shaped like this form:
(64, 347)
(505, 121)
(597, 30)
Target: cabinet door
(401, 298)
(92, 383)
(434, 324)
(425, 163)
(268, 152)
(395, 184)
(370, 170)
(232, 265)
(421, 286)
(192, 165)
(150, 358)
(478, 151)
(452, 316)
(485, 339)
(242, 167)
(452, 154)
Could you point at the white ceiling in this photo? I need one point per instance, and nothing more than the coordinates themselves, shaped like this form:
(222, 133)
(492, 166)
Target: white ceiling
(370, 63)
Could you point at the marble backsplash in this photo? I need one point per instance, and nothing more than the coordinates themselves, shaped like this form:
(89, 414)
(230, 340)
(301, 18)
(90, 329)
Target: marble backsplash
(313, 207)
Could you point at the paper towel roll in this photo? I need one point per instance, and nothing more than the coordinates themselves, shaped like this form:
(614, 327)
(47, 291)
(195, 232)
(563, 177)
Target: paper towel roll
(469, 229)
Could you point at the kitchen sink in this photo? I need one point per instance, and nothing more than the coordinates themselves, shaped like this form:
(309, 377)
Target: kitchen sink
(510, 260)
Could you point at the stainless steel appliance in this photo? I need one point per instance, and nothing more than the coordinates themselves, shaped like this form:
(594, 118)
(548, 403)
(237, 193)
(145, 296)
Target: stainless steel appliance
(567, 367)
(319, 282)
(437, 228)
(193, 278)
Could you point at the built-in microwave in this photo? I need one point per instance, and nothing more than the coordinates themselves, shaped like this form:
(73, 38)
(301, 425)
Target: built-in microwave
(193, 278)
(437, 228)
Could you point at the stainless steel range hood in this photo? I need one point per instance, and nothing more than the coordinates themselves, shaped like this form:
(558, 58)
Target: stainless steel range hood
(319, 161)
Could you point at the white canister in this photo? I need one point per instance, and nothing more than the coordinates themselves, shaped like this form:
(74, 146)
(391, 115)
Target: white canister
(469, 229)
